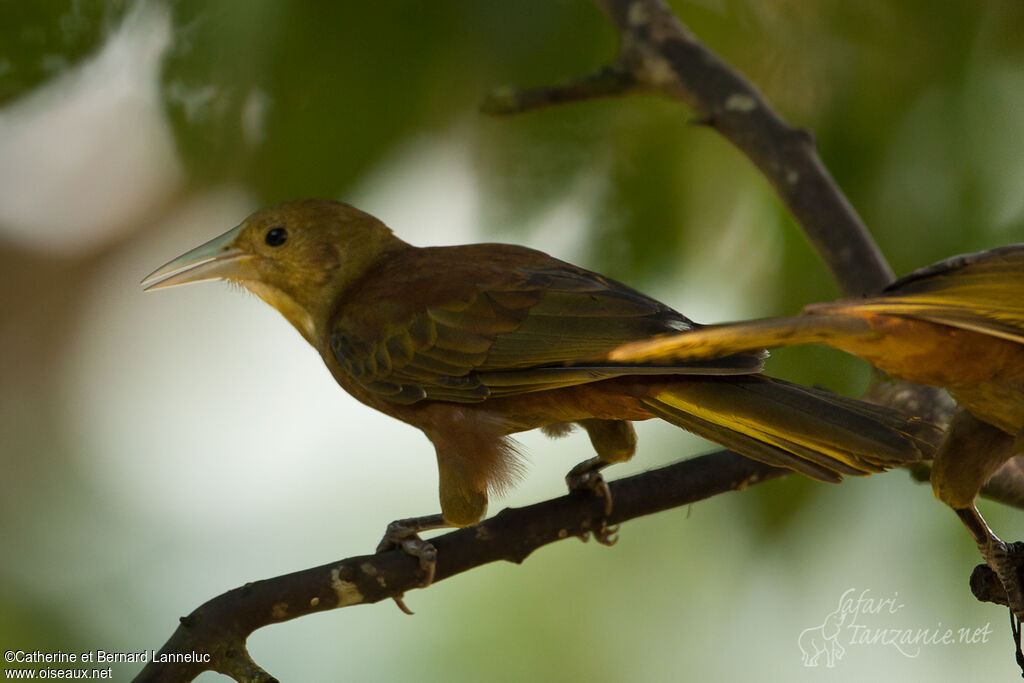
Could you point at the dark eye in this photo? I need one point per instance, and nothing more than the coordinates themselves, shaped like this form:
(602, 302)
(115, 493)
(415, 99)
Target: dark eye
(276, 237)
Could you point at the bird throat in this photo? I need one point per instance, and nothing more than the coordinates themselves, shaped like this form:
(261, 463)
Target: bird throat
(293, 312)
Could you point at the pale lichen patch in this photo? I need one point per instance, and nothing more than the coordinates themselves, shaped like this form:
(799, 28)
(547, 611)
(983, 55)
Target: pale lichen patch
(740, 102)
(658, 72)
(279, 610)
(347, 592)
(637, 14)
(370, 570)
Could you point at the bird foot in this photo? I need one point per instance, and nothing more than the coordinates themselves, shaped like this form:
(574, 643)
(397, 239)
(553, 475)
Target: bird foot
(587, 477)
(404, 534)
(607, 535)
(1007, 561)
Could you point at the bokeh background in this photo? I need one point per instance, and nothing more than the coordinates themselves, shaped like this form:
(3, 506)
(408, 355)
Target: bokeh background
(158, 449)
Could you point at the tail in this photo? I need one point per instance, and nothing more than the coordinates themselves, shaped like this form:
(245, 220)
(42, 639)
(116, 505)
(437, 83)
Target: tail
(981, 292)
(712, 341)
(812, 431)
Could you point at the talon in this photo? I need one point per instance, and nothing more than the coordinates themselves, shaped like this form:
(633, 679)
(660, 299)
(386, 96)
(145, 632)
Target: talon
(428, 561)
(601, 489)
(400, 601)
(404, 534)
(587, 477)
(607, 535)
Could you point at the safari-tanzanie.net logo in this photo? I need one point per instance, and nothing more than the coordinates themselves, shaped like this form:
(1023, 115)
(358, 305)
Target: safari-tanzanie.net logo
(864, 620)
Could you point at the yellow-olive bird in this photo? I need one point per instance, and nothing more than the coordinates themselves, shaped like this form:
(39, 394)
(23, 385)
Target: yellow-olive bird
(957, 324)
(473, 343)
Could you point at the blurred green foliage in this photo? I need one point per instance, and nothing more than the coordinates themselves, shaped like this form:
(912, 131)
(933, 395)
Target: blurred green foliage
(42, 39)
(301, 98)
(916, 106)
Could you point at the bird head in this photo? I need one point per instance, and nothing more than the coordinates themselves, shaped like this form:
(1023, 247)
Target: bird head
(297, 256)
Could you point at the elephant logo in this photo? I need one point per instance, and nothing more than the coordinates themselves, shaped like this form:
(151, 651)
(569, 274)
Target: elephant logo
(823, 640)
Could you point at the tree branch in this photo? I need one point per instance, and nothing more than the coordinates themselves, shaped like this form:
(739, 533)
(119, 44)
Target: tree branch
(219, 628)
(607, 81)
(658, 54)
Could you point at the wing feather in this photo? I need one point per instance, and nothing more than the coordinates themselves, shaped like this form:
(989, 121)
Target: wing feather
(982, 292)
(508, 320)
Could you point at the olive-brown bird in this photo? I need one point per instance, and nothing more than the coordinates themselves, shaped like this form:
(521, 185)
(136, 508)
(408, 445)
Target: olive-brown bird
(957, 324)
(473, 343)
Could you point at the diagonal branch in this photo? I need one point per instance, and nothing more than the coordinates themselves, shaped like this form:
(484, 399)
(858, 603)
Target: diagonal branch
(220, 627)
(658, 54)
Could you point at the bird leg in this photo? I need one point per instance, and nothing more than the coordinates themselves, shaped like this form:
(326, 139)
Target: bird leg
(614, 441)
(1005, 559)
(404, 534)
(970, 454)
(587, 476)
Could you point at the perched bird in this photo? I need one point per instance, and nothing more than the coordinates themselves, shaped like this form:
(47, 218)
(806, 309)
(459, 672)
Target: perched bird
(473, 343)
(957, 324)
